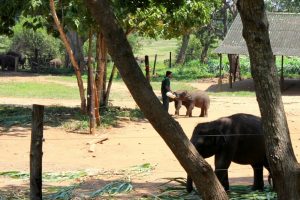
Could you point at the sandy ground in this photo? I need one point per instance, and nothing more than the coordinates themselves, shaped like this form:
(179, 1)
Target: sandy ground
(130, 143)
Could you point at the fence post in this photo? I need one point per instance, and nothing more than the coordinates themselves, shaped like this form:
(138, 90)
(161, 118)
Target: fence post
(36, 152)
(147, 68)
(154, 64)
(170, 60)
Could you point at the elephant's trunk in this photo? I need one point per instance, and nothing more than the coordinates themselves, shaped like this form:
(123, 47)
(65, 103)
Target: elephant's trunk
(189, 184)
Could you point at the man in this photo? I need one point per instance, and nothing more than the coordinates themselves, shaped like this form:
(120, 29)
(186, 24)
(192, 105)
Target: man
(165, 87)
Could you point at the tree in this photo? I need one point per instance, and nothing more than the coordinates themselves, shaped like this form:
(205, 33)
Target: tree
(282, 160)
(283, 6)
(144, 96)
(69, 50)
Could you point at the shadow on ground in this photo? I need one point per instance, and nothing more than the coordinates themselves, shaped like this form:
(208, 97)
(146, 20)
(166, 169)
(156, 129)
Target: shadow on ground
(291, 87)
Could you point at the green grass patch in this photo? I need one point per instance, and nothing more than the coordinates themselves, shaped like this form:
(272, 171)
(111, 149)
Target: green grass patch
(233, 94)
(175, 188)
(70, 78)
(160, 47)
(113, 189)
(38, 90)
(70, 118)
(47, 176)
(60, 193)
(175, 85)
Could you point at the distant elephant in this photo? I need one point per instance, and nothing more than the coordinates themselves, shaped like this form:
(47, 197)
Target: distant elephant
(21, 58)
(237, 138)
(190, 99)
(8, 62)
(86, 60)
(56, 62)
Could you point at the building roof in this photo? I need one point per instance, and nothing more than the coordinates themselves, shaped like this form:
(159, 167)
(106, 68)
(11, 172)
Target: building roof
(284, 30)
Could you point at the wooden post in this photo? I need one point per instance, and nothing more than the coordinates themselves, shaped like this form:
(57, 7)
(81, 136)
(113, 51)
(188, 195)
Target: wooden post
(281, 75)
(220, 73)
(147, 68)
(154, 64)
(220, 70)
(170, 60)
(231, 63)
(36, 152)
(109, 84)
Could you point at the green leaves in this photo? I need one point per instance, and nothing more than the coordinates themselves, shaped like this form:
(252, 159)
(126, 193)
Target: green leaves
(113, 189)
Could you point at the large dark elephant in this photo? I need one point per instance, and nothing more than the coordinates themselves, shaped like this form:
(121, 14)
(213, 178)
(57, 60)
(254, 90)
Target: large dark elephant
(237, 138)
(190, 99)
(21, 58)
(8, 62)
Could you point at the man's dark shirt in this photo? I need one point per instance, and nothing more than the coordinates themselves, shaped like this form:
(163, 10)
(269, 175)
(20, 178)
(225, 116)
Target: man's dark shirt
(165, 82)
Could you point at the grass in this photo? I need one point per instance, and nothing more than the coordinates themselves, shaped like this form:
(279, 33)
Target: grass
(175, 85)
(160, 47)
(177, 190)
(69, 118)
(172, 189)
(233, 94)
(47, 176)
(108, 191)
(38, 90)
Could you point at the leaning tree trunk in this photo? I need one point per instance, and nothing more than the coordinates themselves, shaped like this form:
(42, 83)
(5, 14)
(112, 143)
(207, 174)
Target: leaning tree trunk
(184, 45)
(284, 167)
(69, 50)
(171, 132)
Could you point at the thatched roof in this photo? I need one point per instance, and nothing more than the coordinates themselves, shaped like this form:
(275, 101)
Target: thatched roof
(284, 35)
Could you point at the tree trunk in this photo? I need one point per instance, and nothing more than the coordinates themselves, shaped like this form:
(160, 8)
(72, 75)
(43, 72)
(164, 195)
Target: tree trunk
(113, 71)
(141, 90)
(71, 55)
(184, 45)
(91, 91)
(225, 19)
(76, 43)
(100, 78)
(204, 52)
(284, 167)
(234, 66)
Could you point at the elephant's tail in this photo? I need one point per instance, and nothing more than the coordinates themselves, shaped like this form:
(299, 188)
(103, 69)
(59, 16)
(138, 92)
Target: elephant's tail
(189, 184)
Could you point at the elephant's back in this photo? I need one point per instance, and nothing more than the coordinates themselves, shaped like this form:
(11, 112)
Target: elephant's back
(201, 98)
(250, 140)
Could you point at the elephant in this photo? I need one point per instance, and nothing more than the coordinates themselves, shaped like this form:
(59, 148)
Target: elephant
(21, 58)
(56, 62)
(190, 99)
(237, 138)
(8, 62)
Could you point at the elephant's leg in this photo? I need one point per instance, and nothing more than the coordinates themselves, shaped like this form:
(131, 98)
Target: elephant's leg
(177, 106)
(258, 177)
(189, 110)
(222, 163)
(203, 111)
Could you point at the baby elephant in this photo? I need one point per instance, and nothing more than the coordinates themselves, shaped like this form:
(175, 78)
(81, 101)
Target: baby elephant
(191, 99)
(237, 138)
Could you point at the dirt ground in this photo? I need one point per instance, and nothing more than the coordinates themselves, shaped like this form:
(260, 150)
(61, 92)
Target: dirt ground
(130, 143)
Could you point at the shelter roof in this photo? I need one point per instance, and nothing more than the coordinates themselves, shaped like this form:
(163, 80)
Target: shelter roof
(284, 30)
